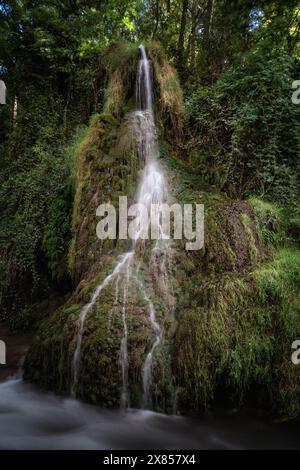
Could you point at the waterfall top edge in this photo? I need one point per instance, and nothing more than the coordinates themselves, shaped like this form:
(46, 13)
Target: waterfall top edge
(143, 50)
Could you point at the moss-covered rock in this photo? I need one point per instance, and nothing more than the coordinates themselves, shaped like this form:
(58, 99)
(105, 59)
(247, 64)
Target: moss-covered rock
(238, 307)
(50, 361)
(228, 312)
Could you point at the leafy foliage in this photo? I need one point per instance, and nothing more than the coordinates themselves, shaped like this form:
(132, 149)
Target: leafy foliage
(247, 130)
(34, 232)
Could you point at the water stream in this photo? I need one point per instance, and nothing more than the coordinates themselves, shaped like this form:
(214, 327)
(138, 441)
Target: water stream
(85, 310)
(32, 419)
(152, 190)
(124, 401)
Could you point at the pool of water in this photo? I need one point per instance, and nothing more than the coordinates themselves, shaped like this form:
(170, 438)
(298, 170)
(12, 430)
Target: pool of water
(31, 419)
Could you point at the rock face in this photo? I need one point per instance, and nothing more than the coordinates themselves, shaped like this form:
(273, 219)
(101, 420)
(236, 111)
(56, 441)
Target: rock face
(226, 318)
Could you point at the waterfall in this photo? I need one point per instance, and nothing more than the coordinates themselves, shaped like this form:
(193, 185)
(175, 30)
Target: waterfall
(85, 310)
(152, 189)
(147, 369)
(144, 95)
(124, 401)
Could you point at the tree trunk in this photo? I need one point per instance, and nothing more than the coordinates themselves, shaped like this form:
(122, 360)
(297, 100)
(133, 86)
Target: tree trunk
(207, 27)
(185, 4)
(156, 18)
(208, 22)
(195, 22)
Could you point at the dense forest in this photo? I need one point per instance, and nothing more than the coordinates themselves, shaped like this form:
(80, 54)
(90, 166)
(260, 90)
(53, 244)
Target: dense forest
(229, 136)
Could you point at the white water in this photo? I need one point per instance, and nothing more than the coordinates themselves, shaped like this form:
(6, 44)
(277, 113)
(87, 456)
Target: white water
(85, 310)
(124, 402)
(152, 190)
(147, 368)
(31, 419)
(144, 82)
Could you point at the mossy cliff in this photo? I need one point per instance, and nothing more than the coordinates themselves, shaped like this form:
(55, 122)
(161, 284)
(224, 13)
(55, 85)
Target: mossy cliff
(106, 163)
(238, 306)
(106, 167)
(229, 311)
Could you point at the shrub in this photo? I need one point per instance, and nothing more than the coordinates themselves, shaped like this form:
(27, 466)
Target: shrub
(240, 132)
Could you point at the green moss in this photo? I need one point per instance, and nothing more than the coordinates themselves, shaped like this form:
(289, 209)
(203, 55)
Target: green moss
(252, 245)
(115, 94)
(270, 220)
(240, 339)
(120, 60)
(280, 278)
(120, 55)
(170, 102)
(236, 318)
(109, 119)
(72, 309)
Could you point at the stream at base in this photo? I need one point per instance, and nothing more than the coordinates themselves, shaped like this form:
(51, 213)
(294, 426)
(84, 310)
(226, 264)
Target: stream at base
(31, 419)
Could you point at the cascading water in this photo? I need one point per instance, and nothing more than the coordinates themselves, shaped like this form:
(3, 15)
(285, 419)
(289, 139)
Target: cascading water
(85, 310)
(147, 368)
(124, 402)
(144, 83)
(152, 190)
